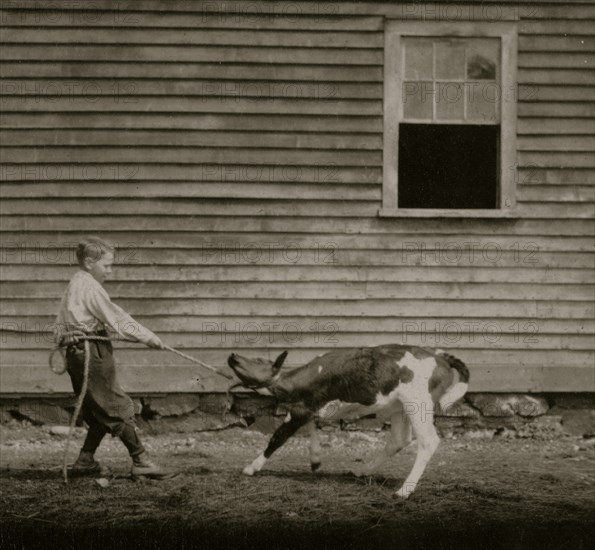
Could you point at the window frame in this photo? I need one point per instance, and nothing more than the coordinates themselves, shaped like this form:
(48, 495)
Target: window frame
(394, 31)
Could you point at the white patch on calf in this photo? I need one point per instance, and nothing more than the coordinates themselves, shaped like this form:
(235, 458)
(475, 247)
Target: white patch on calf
(319, 369)
(422, 372)
(415, 390)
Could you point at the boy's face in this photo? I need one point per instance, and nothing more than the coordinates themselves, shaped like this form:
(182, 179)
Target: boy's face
(101, 268)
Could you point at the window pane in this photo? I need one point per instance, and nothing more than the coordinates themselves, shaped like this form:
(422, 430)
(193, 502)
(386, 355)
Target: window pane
(418, 59)
(482, 59)
(450, 60)
(450, 101)
(448, 166)
(418, 98)
(482, 99)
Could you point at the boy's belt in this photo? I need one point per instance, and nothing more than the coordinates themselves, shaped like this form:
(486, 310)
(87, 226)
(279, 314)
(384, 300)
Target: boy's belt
(97, 333)
(81, 344)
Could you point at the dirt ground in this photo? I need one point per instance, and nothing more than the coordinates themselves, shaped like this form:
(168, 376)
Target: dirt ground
(477, 492)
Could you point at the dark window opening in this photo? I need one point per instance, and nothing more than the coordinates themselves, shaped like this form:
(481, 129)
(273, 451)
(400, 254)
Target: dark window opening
(448, 166)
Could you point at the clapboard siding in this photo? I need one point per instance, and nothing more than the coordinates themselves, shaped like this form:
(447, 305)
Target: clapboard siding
(556, 109)
(218, 71)
(535, 274)
(159, 18)
(327, 326)
(129, 91)
(541, 76)
(247, 190)
(258, 105)
(556, 143)
(211, 139)
(518, 356)
(513, 309)
(529, 8)
(88, 173)
(233, 154)
(555, 126)
(198, 155)
(306, 225)
(254, 72)
(302, 341)
(190, 239)
(256, 207)
(99, 172)
(193, 54)
(215, 121)
(548, 43)
(524, 252)
(195, 37)
(316, 290)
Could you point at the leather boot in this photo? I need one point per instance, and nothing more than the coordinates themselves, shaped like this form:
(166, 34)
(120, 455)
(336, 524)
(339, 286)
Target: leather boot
(86, 465)
(143, 467)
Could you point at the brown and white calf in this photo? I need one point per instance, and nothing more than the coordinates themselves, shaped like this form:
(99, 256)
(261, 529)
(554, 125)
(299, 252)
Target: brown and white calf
(401, 382)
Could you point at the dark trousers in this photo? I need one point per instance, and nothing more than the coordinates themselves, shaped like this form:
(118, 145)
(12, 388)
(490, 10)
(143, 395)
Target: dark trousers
(128, 436)
(106, 407)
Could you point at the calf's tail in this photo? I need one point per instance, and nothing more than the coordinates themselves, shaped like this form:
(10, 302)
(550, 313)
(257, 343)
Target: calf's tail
(460, 383)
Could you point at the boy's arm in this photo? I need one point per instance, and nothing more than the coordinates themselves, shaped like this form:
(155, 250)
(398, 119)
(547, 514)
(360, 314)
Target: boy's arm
(114, 316)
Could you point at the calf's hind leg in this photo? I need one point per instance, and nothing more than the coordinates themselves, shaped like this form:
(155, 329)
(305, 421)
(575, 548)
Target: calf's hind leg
(281, 435)
(422, 421)
(314, 445)
(398, 439)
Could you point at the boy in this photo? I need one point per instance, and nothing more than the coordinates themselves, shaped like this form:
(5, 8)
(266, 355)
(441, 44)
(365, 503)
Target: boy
(86, 309)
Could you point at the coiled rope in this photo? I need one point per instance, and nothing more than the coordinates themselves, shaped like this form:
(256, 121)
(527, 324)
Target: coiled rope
(79, 402)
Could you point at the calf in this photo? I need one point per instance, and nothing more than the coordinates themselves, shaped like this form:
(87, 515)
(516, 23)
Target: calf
(401, 382)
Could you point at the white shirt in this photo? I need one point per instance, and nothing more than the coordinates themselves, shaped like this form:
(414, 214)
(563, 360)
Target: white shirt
(87, 306)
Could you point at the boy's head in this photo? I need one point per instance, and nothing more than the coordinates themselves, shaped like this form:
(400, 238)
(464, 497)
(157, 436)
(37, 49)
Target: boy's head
(95, 256)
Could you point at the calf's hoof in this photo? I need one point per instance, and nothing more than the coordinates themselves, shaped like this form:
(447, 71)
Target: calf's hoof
(248, 470)
(314, 466)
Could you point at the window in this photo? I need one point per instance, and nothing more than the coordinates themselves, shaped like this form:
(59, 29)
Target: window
(449, 119)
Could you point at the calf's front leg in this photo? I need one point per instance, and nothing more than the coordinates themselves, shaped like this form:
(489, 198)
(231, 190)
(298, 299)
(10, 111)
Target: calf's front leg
(281, 435)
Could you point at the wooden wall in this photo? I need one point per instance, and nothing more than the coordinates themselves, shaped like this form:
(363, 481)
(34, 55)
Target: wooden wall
(233, 154)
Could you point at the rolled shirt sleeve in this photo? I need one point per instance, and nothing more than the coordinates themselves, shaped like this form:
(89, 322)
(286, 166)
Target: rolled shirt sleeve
(112, 315)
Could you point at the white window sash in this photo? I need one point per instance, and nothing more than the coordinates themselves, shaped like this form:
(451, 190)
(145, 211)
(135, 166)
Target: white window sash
(393, 112)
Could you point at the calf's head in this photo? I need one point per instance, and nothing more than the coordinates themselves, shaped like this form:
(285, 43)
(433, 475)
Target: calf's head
(255, 373)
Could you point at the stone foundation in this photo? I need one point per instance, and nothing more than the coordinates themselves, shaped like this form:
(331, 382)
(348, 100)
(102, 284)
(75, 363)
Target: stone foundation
(523, 415)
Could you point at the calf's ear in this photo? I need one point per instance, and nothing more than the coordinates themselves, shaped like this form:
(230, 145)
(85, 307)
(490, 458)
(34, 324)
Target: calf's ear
(279, 361)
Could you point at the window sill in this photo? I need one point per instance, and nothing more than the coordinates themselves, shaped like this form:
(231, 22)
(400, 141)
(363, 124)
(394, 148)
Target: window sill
(445, 213)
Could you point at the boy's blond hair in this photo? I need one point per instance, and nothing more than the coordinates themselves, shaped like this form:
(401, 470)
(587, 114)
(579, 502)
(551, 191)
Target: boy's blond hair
(94, 248)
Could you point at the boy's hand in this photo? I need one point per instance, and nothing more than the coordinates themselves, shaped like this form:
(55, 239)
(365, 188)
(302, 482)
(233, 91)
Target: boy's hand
(156, 343)
(71, 338)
